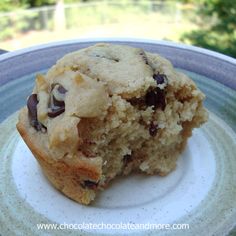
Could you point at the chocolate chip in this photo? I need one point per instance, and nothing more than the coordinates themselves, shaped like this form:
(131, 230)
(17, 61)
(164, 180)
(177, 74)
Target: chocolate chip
(156, 98)
(56, 112)
(160, 78)
(57, 106)
(153, 129)
(89, 184)
(61, 89)
(32, 111)
(32, 106)
(151, 98)
(127, 158)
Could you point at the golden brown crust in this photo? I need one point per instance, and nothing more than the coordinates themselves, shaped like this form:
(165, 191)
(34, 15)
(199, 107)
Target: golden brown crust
(65, 175)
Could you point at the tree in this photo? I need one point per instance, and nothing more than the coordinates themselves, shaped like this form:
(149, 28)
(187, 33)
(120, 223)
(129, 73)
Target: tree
(217, 26)
(39, 3)
(9, 5)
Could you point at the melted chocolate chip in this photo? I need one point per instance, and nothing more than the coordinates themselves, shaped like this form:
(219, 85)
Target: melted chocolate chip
(156, 98)
(160, 78)
(56, 112)
(153, 129)
(61, 89)
(56, 106)
(32, 106)
(151, 98)
(32, 111)
(89, 184)
(127, 158)
(57, 102)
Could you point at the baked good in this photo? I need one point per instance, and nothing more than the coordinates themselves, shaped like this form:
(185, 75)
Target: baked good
(105, 111)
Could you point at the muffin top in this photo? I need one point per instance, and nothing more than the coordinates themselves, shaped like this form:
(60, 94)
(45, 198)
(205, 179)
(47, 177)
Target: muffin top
(125, 70)
(83, 83)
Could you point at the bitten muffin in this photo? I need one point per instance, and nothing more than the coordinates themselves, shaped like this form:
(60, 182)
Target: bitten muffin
(105, 111)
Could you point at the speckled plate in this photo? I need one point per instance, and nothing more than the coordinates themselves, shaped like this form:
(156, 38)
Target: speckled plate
(201, 191)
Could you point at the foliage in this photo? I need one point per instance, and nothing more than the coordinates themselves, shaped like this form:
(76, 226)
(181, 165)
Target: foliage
(217, 27)
(9, 5)
(16, 23)
(38, 3)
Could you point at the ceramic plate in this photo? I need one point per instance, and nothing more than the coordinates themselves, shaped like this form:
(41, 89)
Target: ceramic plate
(200, 193)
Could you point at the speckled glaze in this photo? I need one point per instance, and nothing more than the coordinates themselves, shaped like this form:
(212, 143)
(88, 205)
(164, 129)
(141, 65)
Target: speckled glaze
(200, 192)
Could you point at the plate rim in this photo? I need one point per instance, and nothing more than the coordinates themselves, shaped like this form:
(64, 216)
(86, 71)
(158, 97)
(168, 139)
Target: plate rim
(122, 40)
(197, 49)
(214, 65)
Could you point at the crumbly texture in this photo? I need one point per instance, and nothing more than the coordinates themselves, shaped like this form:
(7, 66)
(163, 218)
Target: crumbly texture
(105, 111)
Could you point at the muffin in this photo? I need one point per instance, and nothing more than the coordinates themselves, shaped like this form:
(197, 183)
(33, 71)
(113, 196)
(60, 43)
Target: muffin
(109, 110)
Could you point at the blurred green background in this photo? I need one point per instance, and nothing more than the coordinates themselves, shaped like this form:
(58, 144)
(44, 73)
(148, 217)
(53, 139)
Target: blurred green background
(206, 23)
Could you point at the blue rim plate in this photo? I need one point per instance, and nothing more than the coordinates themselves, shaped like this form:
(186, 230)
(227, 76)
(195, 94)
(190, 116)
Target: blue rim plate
(201, 192)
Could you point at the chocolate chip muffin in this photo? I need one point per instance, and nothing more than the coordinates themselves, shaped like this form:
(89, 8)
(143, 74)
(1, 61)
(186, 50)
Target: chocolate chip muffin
(105, 111)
